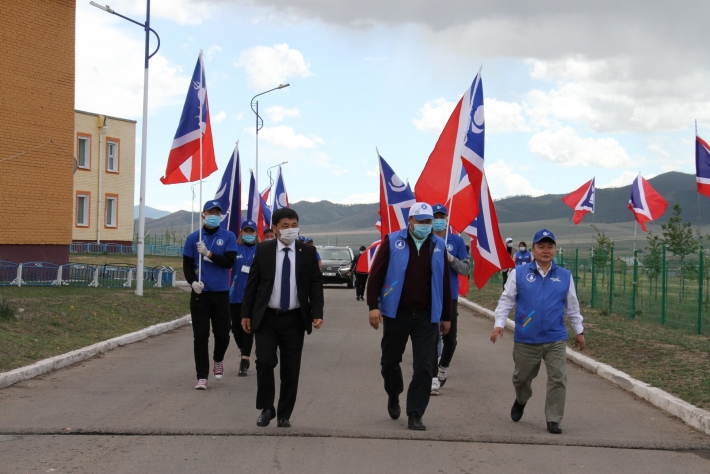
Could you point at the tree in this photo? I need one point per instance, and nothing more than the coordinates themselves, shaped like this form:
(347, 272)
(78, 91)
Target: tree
(602, 252)
(652, 260)
(678, 239)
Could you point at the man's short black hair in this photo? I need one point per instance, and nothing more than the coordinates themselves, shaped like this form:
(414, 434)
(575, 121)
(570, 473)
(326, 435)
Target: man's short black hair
(283, 213)
(268, 229)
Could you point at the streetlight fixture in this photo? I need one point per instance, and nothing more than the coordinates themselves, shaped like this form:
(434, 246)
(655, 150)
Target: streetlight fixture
(144, 135)
(259, 126)
(271, 182)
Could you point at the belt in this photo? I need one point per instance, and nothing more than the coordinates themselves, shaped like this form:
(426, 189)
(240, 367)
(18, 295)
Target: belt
(281, 312)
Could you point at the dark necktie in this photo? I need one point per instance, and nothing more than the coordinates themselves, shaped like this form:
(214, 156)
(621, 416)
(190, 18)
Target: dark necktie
(286, 282)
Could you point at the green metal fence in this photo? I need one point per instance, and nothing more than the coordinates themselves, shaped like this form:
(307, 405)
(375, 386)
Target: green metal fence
(664, 290)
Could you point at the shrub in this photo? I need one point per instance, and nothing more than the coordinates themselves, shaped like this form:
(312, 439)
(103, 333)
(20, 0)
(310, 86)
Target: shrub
(8, 311)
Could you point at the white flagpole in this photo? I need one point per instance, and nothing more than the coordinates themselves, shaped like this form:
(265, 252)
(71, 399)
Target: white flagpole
(451, 201)
(231, 188)
(387, 206)
(698, 193)
(199, 273)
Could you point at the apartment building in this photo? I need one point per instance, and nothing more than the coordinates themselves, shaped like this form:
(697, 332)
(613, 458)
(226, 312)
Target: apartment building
(104, 181)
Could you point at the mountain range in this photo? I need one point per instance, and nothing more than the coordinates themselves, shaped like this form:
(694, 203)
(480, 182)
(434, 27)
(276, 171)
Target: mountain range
(611, 205)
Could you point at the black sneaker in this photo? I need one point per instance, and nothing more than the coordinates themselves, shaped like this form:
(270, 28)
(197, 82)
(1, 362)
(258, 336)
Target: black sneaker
(554, 428)
(243, 367)
(516, 412)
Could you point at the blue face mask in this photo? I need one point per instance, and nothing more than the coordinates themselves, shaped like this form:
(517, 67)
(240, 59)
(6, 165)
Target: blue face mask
(248, 238)
(421, 231)
(439, 224)
(212, 221)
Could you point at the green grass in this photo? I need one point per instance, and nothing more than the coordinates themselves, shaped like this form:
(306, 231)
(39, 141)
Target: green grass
(670, 359)
(58, 320)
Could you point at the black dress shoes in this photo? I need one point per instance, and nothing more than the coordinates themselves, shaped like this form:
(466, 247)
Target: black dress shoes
(554, 428)
(516, 413)
(284, 423)
(243, 367)
(265, 418)
(393, 407)
(415, 423)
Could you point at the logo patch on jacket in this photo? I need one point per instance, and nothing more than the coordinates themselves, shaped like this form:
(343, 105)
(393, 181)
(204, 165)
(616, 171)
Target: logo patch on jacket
(556, 280)
(530, 277)
(400, 244)
(449, 247)
(220, 242)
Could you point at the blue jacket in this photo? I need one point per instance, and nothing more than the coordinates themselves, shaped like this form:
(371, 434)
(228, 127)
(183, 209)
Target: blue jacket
(521, 258)
(456, 247)
(399, 258)
(214, 277)
(540, 305)
(240, 272)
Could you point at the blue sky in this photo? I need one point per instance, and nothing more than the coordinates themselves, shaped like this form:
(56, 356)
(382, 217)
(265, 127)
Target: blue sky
(565, 99)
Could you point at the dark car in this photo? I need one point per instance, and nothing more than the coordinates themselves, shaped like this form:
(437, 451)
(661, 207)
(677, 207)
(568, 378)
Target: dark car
(337, 265)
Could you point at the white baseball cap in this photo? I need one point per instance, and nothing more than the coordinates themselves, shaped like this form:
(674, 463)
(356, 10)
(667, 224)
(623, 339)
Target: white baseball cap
(509, 239)
(421, 211)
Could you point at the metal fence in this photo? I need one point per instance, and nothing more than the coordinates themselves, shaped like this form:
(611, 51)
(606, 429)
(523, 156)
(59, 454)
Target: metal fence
(118, 249)
(82, 275)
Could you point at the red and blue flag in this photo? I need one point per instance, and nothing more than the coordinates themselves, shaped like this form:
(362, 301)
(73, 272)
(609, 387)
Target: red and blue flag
(702, 166)
(280, 195)
(265, 208)
(254, 207)
(366, 260)
(396, 197)
(229, 194)
(581, 200)
(645, 202)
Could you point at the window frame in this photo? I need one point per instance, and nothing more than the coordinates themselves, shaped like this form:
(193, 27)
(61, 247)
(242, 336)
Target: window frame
(87, 209)
(117, 143)
(113, 197)
(83, 137)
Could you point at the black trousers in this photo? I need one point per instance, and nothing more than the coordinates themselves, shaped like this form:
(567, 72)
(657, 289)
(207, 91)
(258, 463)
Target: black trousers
(396, 332)
(284, 332)
(360, 282)
(505, 277)
(448, 342)
(244, 341)
(209, 307)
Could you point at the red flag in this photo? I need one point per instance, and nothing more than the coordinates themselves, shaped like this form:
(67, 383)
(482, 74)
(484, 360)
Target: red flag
(396, 198)
(367, 258)
(645, 202)
(463, 285)
(581, 200)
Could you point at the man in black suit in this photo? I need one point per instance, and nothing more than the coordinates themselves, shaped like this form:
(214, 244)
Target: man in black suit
(283, 300)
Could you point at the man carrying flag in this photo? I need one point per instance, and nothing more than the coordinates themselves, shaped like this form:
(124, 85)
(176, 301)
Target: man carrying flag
(581, 200)
(646, 204)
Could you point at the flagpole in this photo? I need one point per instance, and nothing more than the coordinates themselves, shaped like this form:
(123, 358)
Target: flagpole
(698, 193)
(202, 82)
(231, 188)
(451, 200)
(387, 206)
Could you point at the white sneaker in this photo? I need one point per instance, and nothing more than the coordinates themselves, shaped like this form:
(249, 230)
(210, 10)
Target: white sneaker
(201, 384)
(442, 375)
(435, 386)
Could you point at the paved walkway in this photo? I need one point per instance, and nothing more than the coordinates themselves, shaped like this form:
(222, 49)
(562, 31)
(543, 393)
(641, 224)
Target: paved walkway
(134, 410)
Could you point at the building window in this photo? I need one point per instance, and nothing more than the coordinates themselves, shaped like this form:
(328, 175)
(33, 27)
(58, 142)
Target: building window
(82, 210)
(83, 151)
(112, 211)
(112, 156)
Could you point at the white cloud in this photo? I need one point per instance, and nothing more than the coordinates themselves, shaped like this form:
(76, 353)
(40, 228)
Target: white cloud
(278, 113)
(284, 136)
(504, 116)
(565, 147)
(434, 115)
(504, 182)
(659, 150)
(182, 12)
(624, 179)
(113, 84)
(323, 160)
(210, 52)
(218, 117)
(361, 198)
(270, 66)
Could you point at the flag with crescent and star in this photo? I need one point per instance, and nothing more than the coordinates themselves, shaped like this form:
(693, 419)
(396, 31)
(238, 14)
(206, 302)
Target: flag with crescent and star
(254, 207)
(280, 195)
(184, 158)
(396, 197)
(265, 208)
(645, 202)
(581, 200)
(229, 194)
(702, 166)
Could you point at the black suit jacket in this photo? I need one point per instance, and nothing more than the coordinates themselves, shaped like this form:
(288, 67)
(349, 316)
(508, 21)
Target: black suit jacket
(260, 284)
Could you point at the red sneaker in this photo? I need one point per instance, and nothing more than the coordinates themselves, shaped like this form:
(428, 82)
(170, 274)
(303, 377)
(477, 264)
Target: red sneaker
(218, 370)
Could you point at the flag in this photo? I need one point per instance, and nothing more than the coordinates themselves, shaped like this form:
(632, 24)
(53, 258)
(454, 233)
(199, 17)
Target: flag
(184, 159)
(364, 263)
(444, 179)
(396, 198)
(280, 195)
(463, 285)
(702, 166)
(581, 200)
(645, 202)
(378, 225)
(265, 208)
(472, 151)
(229, 194)
(254, 209)
(488, 249)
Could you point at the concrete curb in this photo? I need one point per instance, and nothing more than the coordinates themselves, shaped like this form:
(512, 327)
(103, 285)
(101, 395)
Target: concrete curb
(690, 414)
(63, 360)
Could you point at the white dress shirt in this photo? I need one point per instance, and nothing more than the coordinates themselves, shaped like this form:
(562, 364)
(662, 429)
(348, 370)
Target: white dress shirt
(275, 300)
(508, 298)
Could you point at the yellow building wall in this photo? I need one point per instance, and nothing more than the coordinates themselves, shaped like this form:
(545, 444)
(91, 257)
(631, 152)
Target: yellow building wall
(120, 184)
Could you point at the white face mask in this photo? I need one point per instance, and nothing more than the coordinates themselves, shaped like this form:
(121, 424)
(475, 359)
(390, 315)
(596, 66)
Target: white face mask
(288, 236)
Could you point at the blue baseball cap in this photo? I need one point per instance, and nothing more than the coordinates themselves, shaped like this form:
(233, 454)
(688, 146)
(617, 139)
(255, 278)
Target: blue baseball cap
(302, 238)
(421, 211)
(542, 235)
(249, 225)
(309, 239)
(439, 208)
(211, 205)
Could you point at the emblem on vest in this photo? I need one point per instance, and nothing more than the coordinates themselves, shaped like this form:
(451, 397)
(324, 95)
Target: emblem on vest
(526, 322)
(555, 279)
(530, 277)
(400, 244)
(220, 242)
(450, 247)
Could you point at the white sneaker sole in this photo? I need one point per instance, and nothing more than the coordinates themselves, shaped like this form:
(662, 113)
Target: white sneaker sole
(218, 377)
(201, 387)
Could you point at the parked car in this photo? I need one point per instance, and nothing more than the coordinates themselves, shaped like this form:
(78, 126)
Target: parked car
(337, 265)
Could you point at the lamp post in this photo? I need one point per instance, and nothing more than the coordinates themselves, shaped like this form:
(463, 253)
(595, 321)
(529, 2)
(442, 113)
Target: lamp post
(259, 125)
(144, 135)
(271, 182)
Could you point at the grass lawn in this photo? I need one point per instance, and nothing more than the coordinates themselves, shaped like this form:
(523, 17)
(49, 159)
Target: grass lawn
(670, 359)
(59, 320)
(148, 261)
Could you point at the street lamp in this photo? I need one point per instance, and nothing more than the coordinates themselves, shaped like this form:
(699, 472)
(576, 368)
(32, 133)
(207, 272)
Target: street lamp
(259, 125)
(271, 181)
(144, 136)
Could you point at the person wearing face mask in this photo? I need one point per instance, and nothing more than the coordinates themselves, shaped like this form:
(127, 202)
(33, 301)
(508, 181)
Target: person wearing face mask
(246, 248)
(409, 285)
(269, 234)
(360, 278)
(509, 247)
(216, 248)
(283, 300)
(459, 264)
(309, 241)
(523, 255)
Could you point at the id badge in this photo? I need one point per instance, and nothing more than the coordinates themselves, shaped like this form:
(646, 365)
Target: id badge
(245, 269)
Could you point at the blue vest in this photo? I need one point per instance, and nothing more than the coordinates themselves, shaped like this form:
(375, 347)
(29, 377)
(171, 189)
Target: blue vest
(540, 306)
(245, 257)
(522, 258)
(394, 280)
(456, 247)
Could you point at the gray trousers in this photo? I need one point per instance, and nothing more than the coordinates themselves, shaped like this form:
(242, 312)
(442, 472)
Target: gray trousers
(527, 359)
